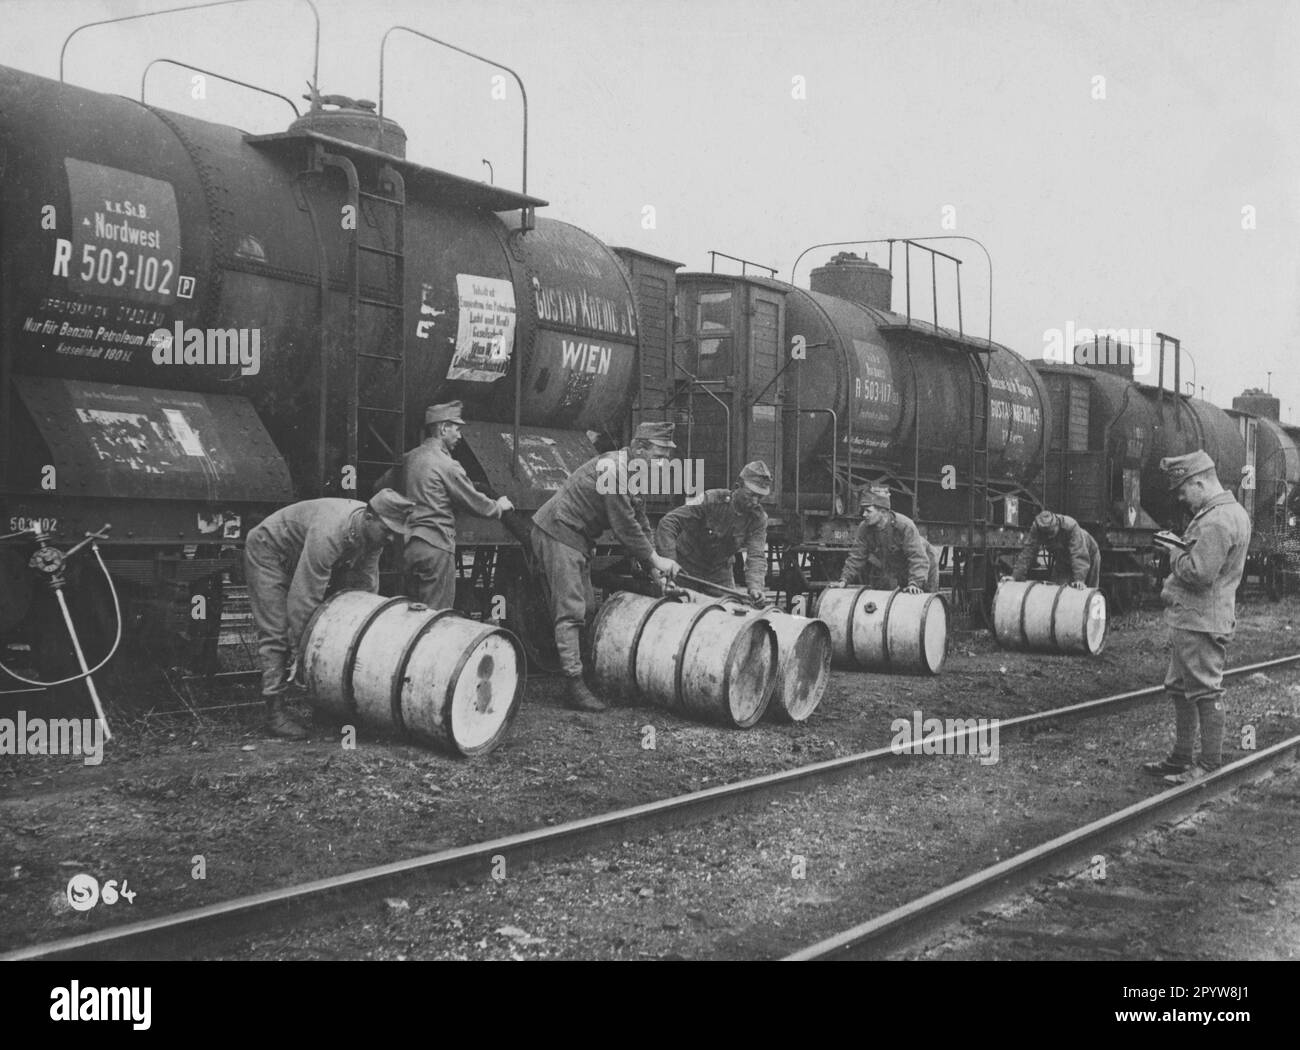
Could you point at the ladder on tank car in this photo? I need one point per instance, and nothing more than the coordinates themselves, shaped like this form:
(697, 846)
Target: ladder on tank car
(376, 435)
(978, 515)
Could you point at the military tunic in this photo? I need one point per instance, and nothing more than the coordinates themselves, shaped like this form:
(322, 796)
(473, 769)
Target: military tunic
(1200, 608)
(439, 486)
(705, 537)
(565, 531)
(892, 554)
(291, 560)
(1077, 558)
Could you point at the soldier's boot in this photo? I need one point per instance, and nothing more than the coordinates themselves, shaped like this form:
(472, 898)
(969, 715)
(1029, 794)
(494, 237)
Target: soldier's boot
(279, 722)
(583, 699)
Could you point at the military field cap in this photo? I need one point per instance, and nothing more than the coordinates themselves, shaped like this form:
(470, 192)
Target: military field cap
(660, 433)
(757, 478)
(393, 510)
(1047, 522)
(448, 413)
(874, 496)
(1181, 468)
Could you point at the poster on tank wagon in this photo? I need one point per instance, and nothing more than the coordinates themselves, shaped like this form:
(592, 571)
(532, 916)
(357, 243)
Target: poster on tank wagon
(485, 333)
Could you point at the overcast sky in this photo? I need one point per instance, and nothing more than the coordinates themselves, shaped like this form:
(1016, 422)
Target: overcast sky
(1109, 154)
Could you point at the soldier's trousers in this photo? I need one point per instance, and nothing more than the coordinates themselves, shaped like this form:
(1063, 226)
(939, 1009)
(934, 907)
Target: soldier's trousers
(430, 574)
(1195, 682)
(268, 596)
(567, 580)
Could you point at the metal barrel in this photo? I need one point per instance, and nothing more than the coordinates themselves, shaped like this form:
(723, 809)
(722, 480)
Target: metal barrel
(884, 630)
(1050, 618)
(615, 636)
(431, 675)
(803, 667)
(711, 662)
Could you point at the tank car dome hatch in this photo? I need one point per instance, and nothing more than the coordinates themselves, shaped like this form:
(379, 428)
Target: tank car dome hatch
(1105, 354)
(1257, 403)
(857, 279)
(352, 120)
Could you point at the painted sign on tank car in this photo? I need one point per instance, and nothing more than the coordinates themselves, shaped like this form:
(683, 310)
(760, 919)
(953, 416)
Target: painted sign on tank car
(877, 399)
(574, 285)
(1015, 426)
(119, 263)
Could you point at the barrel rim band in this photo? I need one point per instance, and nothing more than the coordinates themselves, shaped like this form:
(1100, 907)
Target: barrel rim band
(399, 672)
(1051, 620)
(886, 657)
(636, 640)
(774, 650)
(516, 701)
(680, 658)
(848, 633)
(637, 687)
(487, 632)
(925, 655)
(350, 659)
(1105, 629)
(1024, 602)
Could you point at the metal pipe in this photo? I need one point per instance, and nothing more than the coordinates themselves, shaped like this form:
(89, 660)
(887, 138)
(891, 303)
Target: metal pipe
(519, 396)
(523, 95)
(81, 661)
(961, 331)
(934, 288)
(714, 256)
(322, 266)
(220, 76)
(915, 240)
(315, 67)
(907, 275)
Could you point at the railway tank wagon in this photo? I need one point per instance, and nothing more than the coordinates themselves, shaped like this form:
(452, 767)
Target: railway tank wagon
(200, 325)
(1108, 437)
(1270, 489)
(836, 391)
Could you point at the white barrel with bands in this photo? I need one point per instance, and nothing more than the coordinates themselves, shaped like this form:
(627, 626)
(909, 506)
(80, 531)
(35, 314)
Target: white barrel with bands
(711, 662)
(615, 635)
(803, 669)
(431, 675)
(1050, 618)
(885, 630)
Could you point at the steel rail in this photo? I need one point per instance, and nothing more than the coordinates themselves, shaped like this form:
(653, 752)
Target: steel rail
(174, 935)
(910, 922)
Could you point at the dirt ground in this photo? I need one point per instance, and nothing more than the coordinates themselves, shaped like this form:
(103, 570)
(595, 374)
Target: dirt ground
(176, 798)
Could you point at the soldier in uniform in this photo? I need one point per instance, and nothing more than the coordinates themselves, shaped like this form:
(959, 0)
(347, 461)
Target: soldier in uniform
(565, 530)
(888, 551)
(1199, 595)
(705, 537)
(292, 559)
(439, 486)
(1077, 557)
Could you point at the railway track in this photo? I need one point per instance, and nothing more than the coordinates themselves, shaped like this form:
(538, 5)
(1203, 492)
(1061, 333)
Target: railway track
(178, 934)
(911, 922)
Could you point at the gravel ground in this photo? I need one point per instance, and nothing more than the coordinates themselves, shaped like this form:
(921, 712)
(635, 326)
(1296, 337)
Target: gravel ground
(264, 813)
(1182, 891)
(760, 885)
